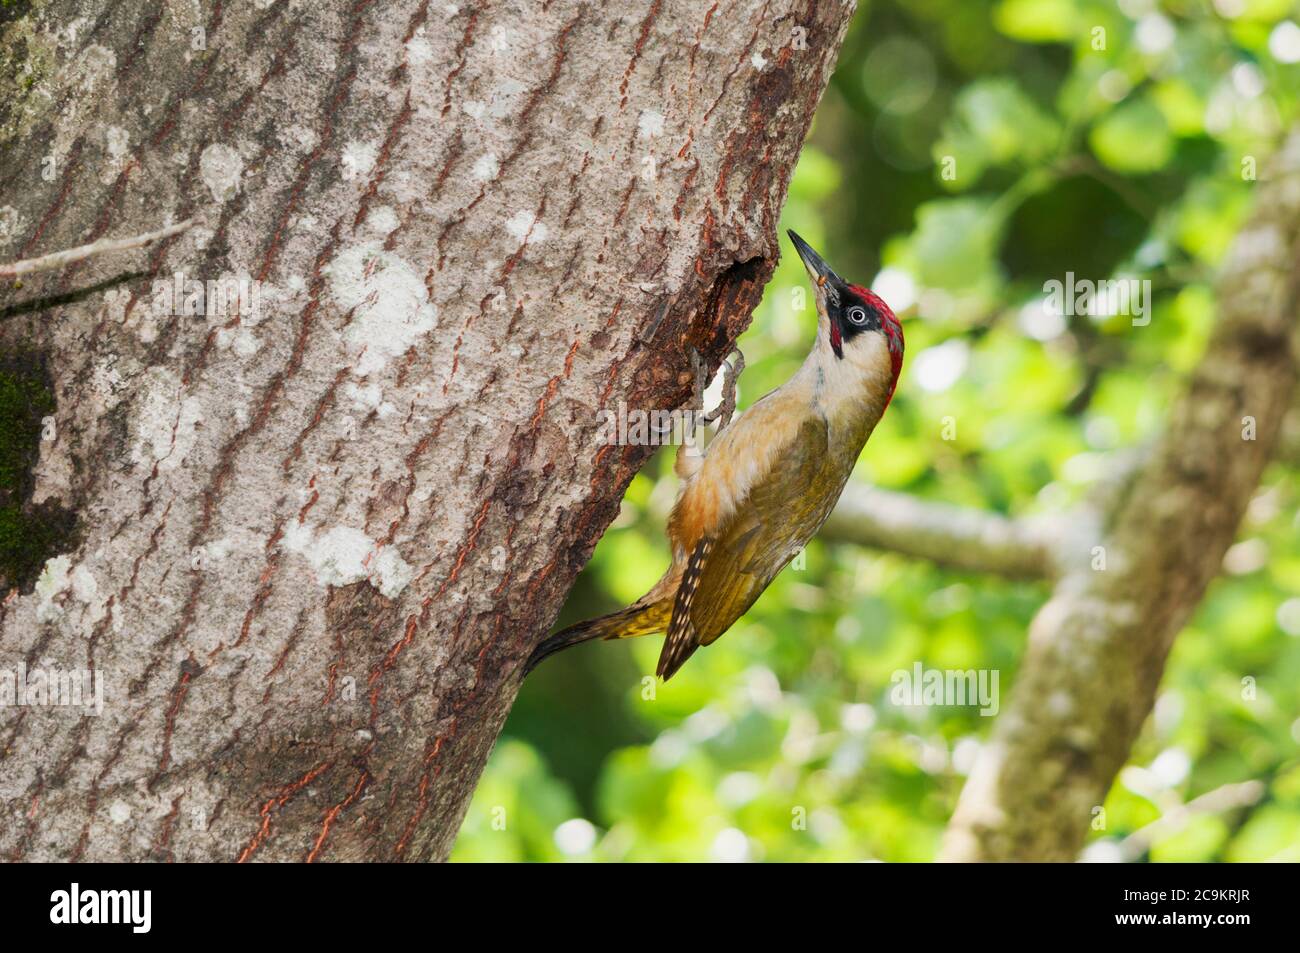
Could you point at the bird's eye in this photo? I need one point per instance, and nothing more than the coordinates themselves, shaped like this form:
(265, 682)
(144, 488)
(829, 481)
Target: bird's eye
(858, 315)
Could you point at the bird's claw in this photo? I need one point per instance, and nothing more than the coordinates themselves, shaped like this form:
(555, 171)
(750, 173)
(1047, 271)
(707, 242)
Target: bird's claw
(724, 411)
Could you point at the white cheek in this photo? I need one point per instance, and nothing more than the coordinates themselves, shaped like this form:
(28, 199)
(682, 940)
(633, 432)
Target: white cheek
(865, 368)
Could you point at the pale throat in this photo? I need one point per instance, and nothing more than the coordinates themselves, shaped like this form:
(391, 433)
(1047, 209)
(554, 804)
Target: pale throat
(855, 385)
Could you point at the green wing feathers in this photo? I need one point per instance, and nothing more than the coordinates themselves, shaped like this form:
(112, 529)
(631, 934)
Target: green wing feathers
(729, 571)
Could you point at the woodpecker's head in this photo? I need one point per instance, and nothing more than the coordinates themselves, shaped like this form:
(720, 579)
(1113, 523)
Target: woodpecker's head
(851, 314)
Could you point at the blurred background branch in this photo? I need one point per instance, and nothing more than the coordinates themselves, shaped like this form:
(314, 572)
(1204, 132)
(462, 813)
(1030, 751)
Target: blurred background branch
(955, 537)
(1229, 797)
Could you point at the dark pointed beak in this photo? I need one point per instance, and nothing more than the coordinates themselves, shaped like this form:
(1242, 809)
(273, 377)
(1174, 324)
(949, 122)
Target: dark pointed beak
(818, 270)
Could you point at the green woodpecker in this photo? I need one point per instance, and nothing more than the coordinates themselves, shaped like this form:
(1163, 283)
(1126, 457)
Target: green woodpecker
(765, 485)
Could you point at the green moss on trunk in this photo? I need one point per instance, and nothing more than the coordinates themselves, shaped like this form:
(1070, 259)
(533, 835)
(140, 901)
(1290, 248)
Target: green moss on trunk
(29, 535)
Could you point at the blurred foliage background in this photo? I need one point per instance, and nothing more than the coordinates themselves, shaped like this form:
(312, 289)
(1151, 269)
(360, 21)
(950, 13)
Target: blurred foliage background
(1111, 139)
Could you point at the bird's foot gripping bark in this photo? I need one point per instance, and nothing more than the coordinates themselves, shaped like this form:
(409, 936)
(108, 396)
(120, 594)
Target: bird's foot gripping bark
(724, 411)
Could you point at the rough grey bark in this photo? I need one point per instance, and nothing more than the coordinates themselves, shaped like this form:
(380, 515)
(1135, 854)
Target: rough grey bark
(316, 543)
(1097, 648)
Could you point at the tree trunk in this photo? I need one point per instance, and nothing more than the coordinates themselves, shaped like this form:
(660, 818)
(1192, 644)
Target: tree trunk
(316, 538)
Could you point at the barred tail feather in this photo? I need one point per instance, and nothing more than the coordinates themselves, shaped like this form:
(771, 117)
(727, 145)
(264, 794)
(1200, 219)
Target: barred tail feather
(683, 638)
(640, 618)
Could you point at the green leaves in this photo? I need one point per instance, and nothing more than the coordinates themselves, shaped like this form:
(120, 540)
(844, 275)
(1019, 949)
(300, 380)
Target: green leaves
(1134, 138)
(955, 242)
(1006, 121)
(994, 122)
(1037, 21)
